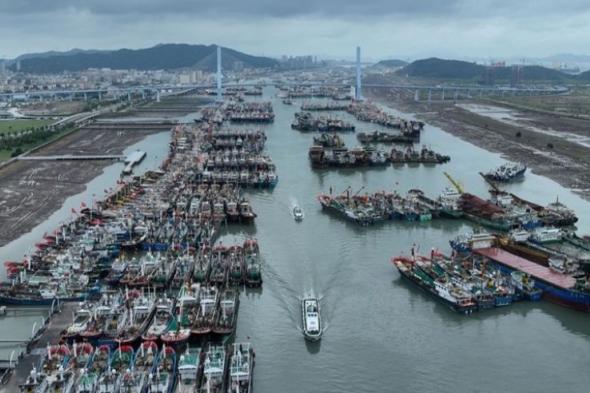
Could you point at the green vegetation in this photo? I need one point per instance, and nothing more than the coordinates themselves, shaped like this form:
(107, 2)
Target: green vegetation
(8, 126)
(12, 147)
(464, 70)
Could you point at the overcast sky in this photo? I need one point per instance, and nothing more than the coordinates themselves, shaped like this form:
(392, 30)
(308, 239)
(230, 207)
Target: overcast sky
(384, 28)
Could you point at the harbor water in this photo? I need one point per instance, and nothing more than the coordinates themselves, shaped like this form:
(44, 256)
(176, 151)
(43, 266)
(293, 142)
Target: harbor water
(382, 334)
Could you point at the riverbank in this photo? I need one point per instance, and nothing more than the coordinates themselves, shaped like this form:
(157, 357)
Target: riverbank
(33, 190)
(549, 145)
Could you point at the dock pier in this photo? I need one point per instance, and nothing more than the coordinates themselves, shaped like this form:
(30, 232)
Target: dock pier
(14, 371)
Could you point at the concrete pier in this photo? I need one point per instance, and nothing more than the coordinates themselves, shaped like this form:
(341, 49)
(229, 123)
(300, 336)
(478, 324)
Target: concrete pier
(70, 157)
(50, 335)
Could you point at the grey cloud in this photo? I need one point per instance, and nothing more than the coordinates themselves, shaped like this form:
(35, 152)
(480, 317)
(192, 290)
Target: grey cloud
(288, 8)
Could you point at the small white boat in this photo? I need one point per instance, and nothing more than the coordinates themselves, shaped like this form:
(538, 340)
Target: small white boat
(547, 235)
(310, 314)
(297, 213)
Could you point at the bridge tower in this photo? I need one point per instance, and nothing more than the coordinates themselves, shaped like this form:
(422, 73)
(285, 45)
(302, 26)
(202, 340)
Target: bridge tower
(358, 96)
(219, 92)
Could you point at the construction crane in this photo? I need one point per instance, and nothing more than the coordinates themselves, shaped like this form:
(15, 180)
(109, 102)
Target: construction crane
(455, 183)
(490, 183)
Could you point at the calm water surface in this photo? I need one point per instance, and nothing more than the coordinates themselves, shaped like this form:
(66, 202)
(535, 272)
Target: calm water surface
(382, 334)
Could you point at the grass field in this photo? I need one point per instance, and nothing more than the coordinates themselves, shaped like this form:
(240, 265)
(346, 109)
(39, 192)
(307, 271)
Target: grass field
(19, 125)
(5, 154)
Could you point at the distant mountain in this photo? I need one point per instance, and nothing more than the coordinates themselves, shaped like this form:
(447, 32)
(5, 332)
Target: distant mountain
(163, 56)
(74, 51)
(568, 58)
(456, 69)
(584, 76)
(441, 68)
(394, 63)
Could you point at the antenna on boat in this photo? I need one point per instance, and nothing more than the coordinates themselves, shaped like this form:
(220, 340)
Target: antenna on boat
(360, 189)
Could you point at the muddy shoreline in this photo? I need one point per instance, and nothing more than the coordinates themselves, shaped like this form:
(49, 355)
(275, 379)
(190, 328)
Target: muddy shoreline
(538, 140)
(32, 190)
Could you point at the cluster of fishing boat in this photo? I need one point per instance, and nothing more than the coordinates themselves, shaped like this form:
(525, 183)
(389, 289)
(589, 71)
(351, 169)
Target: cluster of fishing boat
(257, 112)
(169, 213)
(219, 265)
(503, 211)
(545, 262)
(305, 121)
(387, 137)
(414, 156)
(343, 157)
(232, 139)
(236, 160)
(149, 277)
(240, 159)
(302, 91)
(324, 106)
(84, 368)
(381, 206)
(340, 156)
(466, 284)
(367, 111)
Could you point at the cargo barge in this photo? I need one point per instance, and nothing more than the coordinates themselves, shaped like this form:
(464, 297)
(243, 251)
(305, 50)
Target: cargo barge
(571, 290)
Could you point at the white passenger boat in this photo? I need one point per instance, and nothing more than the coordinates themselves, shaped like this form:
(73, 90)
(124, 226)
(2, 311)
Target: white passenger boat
(297, 213)
(310, 314)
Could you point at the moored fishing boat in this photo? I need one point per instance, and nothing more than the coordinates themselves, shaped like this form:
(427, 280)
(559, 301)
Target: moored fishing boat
(135, 379)
(526, 286)
(227, 312)
(252, 261)
(80, 361)
(117, 271)
(179, 330)
(214, 371)
(164, 374)
(163, 316)
(82, 318)
(235, 260)
(247, 215)
(241, 368)
(139, 317)
(190, 369)
(417, 272)
(205, 317)
(202, 265)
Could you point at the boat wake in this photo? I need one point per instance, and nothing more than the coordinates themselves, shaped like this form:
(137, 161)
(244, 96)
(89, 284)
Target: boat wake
(283, 292)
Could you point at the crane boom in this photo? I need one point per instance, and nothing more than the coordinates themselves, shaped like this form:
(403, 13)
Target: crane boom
(455, 183)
